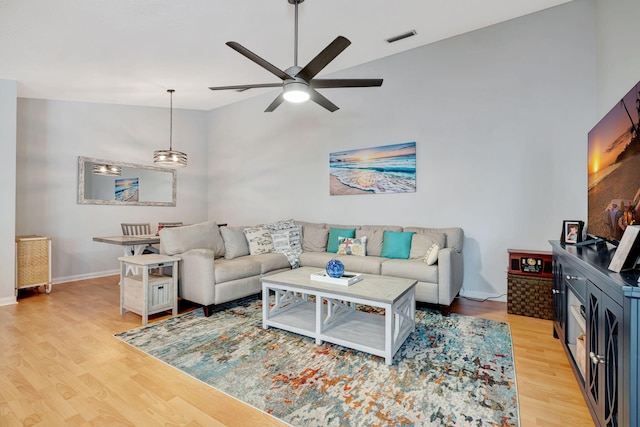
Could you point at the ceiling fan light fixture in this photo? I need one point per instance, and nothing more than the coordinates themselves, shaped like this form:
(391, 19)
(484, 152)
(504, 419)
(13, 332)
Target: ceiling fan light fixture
(296, 92)
(299, 83)
(170, 158)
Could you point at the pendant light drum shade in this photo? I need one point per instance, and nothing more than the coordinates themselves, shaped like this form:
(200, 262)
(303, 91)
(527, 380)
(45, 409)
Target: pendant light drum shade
(108, 170)
(170, 158)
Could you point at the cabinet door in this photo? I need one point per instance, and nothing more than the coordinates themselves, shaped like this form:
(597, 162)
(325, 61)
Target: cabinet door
(559, 300)
(604, 344)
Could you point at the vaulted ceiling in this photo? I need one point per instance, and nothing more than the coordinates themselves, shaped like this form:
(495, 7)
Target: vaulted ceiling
(130, 51)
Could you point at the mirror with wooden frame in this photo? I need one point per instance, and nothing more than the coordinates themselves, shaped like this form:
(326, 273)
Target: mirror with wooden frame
(108, 182)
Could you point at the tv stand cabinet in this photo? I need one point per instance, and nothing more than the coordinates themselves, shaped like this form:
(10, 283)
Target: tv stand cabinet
(596, 316)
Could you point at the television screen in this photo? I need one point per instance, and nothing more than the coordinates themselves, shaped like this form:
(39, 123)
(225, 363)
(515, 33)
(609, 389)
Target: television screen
(614, 169)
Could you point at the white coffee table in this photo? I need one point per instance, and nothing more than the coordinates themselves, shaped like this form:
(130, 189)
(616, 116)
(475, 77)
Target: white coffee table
(333, 316)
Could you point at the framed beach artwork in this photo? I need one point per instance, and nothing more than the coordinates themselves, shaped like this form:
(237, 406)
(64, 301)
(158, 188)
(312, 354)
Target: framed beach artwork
(127, 189)
(374, 170)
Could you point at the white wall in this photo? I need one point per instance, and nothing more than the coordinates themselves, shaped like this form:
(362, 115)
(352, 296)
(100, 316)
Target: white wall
(52, 134)
(618, 58)
(499, 116)
(8, 114)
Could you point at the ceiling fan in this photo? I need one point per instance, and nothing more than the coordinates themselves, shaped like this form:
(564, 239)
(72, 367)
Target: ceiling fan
(299, 83)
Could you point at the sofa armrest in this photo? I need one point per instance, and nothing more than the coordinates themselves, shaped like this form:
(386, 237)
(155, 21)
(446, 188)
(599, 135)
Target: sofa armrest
(197, 279)
(450, 275)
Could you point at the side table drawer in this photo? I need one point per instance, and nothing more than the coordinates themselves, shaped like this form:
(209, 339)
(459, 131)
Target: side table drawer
(159, 296)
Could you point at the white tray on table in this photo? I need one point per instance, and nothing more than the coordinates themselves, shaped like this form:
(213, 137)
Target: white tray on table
(348, 278)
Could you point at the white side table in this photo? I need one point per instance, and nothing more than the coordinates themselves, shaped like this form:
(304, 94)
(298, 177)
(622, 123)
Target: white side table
(149, 293)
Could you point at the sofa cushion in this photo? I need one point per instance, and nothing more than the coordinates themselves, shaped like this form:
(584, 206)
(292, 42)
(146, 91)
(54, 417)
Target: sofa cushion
(204, 235)
(329, 226)
(271, 262)
(454, 235)
(375, 235)
(410, 269)
(350, 246)
(334, 233)
(396, 244)
(421, 242)
(314, 237)
(259, 240)
(304, 224)
(226, 270)
(362, 264)
(316, 259)
(235, 242)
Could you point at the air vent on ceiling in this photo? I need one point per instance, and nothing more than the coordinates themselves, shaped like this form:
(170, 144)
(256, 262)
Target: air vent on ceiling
(401, 36)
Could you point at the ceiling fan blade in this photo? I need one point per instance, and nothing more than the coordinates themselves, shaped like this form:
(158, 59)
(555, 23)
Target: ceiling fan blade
(322, 101)
(331, 83)
(323, 58)
(245, 87)
(275, 104)
(258, 60)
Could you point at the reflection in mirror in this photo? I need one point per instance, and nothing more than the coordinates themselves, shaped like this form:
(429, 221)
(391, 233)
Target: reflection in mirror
(136, 185)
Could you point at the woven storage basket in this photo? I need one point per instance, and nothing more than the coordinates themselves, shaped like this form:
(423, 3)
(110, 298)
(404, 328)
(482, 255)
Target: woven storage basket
(530, 296)
(32, 261)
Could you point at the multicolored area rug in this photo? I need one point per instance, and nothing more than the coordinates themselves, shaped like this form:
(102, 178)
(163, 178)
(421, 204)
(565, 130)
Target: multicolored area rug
(452, 371)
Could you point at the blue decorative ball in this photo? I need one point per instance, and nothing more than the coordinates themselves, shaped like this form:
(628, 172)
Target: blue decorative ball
(335, 268)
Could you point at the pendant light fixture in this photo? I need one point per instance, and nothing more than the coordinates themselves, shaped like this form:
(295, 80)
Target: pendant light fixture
(109, 170)
(170, 158)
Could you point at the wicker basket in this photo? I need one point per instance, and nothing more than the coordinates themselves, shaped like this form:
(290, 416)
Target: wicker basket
(530, 296)
(33, 262)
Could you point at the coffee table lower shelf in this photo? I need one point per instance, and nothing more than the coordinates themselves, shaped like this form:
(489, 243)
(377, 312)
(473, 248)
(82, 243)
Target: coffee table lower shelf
(334, 319)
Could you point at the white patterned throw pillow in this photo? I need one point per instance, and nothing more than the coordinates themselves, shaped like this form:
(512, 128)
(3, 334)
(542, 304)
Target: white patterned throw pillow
(280, 240)
(259, 240)
(432, 254)
(352, 246)
(278, 230)
(286, 237)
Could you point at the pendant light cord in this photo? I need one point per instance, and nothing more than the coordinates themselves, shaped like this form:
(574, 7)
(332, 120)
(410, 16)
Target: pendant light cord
(171, 120)
(295, 38)
(170, 158)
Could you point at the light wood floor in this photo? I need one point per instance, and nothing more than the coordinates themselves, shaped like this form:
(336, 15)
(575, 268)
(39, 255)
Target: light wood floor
(61, 366)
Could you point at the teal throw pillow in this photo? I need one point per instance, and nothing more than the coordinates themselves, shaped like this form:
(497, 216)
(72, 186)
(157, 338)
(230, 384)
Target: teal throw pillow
(334, 233)
(396, 244)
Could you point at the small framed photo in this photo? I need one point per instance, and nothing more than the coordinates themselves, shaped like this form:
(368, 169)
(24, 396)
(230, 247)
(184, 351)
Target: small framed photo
(571, 231)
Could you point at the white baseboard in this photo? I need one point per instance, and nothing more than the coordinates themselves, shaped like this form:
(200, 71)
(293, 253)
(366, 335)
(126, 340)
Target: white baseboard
(8, 301)
(78, 277)
(59, 280)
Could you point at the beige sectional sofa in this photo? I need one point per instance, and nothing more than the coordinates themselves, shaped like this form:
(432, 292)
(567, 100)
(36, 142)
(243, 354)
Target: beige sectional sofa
(220, 264)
